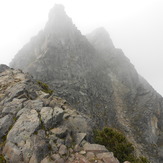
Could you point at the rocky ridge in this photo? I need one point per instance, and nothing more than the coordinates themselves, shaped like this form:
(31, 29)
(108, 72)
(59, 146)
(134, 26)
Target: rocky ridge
(36, 127)
(97, 79)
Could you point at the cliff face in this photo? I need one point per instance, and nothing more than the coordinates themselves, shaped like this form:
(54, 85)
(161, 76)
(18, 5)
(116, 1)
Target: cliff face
(97, 79)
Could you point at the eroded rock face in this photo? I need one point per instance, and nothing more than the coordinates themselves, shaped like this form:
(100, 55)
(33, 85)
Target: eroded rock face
(42, 129)
(96, 78)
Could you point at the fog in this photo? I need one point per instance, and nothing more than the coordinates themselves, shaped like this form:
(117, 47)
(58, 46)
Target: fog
(135, 26)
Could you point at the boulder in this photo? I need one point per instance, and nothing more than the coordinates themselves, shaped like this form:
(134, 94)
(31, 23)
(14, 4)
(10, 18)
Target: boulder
(63, 150)
(36, 104)
(96, 148)
(24, 127)
(60, 131)
(51, 117)
(80, 137)
(12, 153)
(5, 124)
(14, 106)
(3, 67)
(47, 160)
(40, 149)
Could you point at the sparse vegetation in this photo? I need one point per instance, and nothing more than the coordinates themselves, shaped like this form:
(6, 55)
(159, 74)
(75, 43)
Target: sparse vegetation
(45, 87)
(2, 159)
(117, 143)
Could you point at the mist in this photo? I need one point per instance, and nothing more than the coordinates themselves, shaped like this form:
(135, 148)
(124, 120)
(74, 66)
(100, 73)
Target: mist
(134, 26)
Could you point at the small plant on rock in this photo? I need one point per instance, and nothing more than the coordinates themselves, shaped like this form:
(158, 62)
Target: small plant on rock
(45, 87)
(2, 159)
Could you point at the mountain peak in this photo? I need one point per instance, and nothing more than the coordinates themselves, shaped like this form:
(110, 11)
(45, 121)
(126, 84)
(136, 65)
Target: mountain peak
(57, 10)
(100, 38)
(59, 22)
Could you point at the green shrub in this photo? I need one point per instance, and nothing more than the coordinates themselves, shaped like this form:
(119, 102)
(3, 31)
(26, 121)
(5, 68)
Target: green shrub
(2, 159)
(45, 87)
(117, 143)
(140, 160)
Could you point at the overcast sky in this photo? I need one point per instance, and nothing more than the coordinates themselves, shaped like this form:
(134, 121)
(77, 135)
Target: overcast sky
(135, 26)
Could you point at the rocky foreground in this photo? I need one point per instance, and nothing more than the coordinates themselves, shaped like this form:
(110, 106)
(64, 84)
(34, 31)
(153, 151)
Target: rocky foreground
(38, 127)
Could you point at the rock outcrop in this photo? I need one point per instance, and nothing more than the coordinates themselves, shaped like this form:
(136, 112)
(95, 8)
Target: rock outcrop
(36, 127)
(97, 79)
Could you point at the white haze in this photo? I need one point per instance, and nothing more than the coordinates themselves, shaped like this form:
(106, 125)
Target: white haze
(135, 26)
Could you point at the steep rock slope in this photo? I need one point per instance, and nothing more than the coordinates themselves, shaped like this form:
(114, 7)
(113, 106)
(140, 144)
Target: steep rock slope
(36, 127)
(96, 78)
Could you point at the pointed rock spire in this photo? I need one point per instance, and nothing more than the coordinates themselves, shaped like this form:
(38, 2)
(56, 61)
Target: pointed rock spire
(59, 21)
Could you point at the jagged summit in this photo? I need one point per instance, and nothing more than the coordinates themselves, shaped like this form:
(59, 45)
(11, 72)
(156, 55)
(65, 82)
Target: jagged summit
(57, 10)
(59, 23)
(101, 38)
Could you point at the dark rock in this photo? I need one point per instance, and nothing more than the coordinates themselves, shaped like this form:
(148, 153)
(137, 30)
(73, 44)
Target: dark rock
(51, 117)
(80, 137)
(68, 140)
(60, 132)
(14, 106)
(63, 150)
(41, 149)
(3, 68)
(5, 124)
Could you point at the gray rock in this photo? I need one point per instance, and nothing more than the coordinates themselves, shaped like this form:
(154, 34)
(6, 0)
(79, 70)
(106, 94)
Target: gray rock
(96, 148)
(55, 156)
(47, 160)
(110, 159)
(68, 140)
(53, 146)
(12, 152)
(77, 148)
(36, 104)
(5, 124)
(63, 150)
(78, 124)
(17, 91)
(80, 137)
(51, 117)
(24, 127)
(22, 111)
(14, 106)
(27, 150)
(82, 152)
(60, 131)
(106, 154)
(61, 160)
(60, 142)
(3, 68)
(90, 156)
(40, 149)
